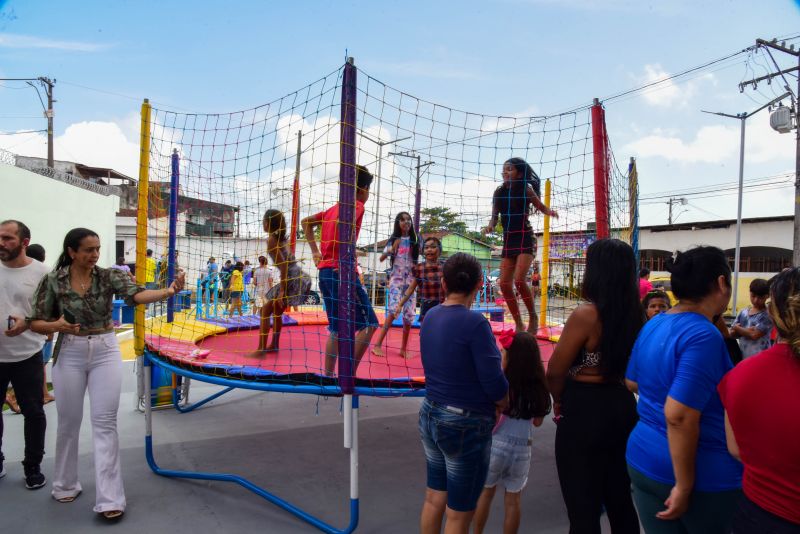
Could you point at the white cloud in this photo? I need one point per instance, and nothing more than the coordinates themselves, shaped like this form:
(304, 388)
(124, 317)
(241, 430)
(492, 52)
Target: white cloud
(10, 40)
(96, 143)
(717, 144)
(668, 94)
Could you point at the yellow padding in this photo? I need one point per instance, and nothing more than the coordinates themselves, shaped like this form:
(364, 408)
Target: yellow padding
(183, 328)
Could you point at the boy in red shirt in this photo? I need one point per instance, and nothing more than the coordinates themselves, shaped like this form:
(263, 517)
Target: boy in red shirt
(326, 258)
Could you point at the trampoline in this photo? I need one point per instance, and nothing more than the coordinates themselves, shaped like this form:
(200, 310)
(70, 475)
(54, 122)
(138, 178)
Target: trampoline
(230, 167)
(224, 348)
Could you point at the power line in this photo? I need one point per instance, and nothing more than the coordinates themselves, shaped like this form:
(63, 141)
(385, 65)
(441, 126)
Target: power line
(753, 182)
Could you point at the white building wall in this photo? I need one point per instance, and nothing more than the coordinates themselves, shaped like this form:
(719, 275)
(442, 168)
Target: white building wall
(50, 208)
(759, 234)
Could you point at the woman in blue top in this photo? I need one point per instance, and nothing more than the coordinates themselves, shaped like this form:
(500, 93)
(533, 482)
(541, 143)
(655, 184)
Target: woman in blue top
(464, 384)
(683, 477)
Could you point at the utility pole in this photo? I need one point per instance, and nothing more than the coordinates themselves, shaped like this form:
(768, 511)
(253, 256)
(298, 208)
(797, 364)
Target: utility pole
(48, 84)
(380, 144)
(742, 118)
(682, 201)
(773, 45)
(418, 197)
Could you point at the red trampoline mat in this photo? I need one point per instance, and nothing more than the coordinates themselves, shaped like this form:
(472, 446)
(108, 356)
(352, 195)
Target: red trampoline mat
(302, 351)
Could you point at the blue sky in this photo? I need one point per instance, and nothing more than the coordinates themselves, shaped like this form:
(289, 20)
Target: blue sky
(512, 57)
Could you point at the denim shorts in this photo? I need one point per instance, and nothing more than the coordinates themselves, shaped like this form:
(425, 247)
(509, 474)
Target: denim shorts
(329, 286)
(236, 294)
(510, 463)
(47, 351)
(457, 451)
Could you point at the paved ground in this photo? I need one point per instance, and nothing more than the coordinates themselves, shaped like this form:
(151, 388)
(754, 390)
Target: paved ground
(289, 444)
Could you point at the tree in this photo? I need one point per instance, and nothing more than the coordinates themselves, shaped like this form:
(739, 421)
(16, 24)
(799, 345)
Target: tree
(441, 220)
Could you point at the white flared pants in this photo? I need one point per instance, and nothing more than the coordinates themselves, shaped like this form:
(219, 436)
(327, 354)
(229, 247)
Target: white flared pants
(92, 362)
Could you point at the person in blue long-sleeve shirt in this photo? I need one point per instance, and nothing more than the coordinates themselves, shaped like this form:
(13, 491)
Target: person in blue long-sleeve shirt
(465, 385)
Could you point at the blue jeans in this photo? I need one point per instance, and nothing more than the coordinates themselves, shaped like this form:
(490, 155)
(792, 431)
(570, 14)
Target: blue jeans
(457, 451)
(329, 286)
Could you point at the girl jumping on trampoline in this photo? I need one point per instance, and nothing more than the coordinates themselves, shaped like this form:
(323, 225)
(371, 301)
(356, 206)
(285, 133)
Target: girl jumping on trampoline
(512, 202)
(294, 284)
(403, 249)
(528, 403)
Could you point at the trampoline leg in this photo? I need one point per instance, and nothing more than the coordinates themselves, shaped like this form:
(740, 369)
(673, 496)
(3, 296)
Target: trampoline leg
(353, 403)
(176, 401)
(222, 477)
(148, 408)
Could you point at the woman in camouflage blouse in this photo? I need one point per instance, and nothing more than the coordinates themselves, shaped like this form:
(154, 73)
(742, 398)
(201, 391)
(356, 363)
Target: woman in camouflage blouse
(75, 300)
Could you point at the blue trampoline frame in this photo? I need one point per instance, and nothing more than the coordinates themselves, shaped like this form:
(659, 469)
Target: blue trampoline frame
(350, 433)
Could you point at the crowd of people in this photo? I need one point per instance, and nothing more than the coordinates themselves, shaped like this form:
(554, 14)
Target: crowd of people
(664, 421)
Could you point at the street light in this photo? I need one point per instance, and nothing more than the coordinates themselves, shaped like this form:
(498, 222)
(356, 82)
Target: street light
(742, 117)
(380, 144)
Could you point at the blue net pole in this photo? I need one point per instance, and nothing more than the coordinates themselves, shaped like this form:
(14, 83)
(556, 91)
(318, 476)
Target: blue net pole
(633, 184)
(346, 229)
(173, 223)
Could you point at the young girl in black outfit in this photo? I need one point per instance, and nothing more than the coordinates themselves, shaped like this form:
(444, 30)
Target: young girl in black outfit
(512, 202)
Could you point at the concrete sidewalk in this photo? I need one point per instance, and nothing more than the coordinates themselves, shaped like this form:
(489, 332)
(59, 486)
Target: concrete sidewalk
(291, 445)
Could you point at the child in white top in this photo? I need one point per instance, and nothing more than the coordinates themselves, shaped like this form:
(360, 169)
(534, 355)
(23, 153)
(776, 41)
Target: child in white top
(529, 402)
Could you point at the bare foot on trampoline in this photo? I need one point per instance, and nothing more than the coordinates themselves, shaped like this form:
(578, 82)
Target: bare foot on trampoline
(260, 353)
(404, 354)
(377, 351)
(533, 327)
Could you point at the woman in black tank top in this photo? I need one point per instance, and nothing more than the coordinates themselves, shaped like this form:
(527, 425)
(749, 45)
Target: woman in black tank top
(594, 410)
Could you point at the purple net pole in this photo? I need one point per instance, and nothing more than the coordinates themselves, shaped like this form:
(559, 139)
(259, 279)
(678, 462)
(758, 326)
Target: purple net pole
(173, 223)
(346, 230)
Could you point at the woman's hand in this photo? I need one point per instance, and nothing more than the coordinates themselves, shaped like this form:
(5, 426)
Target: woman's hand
(63, 327)
(487, 230)
(317, 257)
(676, 503)
(177, 284)
(553, 214)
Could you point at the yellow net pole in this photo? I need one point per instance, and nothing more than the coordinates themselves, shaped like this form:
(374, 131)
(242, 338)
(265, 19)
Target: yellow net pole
(544, 283)
(141, 225)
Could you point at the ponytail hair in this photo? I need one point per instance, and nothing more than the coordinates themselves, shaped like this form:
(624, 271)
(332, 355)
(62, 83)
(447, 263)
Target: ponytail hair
(529, 176)
(461, 273)
(73, 241)
(784, 307)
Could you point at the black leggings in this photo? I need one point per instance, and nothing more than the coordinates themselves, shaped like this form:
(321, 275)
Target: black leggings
(27, 378)
(590, 456)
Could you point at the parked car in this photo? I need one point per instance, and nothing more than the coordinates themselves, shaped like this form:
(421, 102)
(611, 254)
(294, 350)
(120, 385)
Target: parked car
(381, 279)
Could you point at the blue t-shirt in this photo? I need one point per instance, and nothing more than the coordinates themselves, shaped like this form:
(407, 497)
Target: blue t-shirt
(683, 356)
(461, 360)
